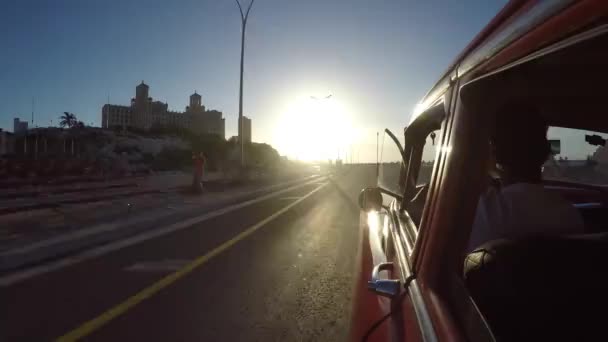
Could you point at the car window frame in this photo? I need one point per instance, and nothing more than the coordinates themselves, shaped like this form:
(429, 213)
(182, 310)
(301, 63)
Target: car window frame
(430, 120)
(416, 134)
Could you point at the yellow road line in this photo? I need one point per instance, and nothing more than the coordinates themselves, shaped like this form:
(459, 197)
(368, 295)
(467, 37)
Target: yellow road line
(101, 320)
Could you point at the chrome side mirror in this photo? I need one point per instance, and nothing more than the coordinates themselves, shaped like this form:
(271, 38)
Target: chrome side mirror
(370, 199)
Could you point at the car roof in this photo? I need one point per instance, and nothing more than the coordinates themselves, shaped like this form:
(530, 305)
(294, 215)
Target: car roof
(519, 29)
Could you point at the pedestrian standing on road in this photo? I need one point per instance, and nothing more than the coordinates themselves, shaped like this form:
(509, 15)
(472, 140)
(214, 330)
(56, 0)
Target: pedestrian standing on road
(199, 165)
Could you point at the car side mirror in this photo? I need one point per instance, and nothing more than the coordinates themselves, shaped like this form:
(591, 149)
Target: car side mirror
(370, 199)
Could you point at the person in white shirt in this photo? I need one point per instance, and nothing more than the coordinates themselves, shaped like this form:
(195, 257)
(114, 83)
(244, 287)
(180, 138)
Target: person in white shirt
(520, 205)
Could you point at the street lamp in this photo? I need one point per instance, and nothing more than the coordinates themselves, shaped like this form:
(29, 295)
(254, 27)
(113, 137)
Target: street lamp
(243, 25)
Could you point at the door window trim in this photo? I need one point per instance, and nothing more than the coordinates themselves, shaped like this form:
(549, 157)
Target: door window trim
(430, 120)
(417, 131)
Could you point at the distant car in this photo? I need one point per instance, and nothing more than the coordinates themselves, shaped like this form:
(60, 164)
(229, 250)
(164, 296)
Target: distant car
(412, 280)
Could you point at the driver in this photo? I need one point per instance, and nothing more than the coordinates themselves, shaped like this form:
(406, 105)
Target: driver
(520, 205)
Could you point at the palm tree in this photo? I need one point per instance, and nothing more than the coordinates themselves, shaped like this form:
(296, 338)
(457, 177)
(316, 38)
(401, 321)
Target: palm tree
(67, 120)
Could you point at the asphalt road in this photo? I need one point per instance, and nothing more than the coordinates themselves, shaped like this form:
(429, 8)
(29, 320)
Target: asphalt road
(280, 269)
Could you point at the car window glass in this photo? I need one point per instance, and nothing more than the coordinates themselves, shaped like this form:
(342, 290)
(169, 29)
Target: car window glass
(428, 158)
(578, 156)
(390, 165)
(426, 162)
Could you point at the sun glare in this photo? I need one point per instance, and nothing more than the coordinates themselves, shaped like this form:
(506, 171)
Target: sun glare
(312, 129)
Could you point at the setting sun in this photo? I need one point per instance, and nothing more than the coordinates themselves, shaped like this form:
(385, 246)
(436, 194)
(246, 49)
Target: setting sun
(314, 129)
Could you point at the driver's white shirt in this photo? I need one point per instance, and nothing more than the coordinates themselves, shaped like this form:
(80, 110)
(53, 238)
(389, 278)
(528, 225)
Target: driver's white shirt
(522, 209)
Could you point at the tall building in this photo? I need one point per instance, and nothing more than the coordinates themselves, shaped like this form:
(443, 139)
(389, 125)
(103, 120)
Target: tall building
(210, 121)
(140, 105)
(19, 126)
(144, 113)
(116, 116)
(7, 142)
(246, 127)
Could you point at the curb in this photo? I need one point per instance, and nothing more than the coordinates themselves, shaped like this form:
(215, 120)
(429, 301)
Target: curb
(66, 244)
(26, 194)
(56, 204)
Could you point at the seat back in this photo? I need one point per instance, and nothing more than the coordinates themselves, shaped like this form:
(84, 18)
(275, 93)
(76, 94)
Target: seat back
(542, 288)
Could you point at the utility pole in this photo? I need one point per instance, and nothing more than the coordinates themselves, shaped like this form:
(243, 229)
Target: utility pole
(33, 111)
(377, 161)
(244, 17)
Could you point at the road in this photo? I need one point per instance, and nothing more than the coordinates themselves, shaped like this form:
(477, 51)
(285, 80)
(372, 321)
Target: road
(278, 269)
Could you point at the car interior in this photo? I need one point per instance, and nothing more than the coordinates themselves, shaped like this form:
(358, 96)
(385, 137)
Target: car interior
(550, 287)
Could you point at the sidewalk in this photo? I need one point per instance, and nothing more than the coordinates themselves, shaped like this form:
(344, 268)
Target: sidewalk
(37, 235)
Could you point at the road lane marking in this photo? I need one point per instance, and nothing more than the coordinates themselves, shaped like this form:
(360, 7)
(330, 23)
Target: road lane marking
(90, 326)
(167, 265)
(17, 277)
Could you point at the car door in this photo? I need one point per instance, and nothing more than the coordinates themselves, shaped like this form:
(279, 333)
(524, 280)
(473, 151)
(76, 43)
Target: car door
(382, 275)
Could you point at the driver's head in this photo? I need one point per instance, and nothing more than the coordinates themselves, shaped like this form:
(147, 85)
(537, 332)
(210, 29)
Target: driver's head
(519, 142)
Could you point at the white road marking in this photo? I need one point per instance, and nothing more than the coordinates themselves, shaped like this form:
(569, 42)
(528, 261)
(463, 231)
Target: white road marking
(167, 265)
(34, 271)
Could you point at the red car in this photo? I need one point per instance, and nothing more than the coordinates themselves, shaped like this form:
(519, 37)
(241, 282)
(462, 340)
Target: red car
(415, 280)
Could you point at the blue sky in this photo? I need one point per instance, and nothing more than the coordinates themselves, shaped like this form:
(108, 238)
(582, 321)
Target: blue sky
(377, 57)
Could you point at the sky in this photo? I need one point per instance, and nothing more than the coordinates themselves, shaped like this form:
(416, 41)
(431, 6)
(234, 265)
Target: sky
(376, 58)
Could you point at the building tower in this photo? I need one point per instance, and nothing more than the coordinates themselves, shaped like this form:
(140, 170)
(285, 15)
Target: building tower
(246, 129)
(141, 105)
(196, 103)
(141, 91)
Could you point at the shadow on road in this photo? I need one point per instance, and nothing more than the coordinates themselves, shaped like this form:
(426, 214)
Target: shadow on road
(352, 205)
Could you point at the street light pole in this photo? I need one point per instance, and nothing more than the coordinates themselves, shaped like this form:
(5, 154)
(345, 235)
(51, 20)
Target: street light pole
(377, 160)
(240, 123)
